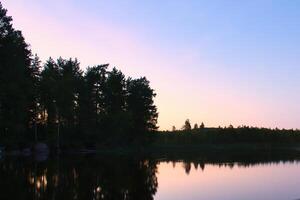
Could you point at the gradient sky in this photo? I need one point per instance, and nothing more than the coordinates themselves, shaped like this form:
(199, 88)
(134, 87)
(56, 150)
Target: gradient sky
(220, 62)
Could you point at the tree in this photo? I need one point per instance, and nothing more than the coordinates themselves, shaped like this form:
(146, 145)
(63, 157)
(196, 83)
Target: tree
(114, 92)
(187, 167)
(35, 107)
(173, 128)
(187, 125)
(68, 92)
(91, 101)
(115, 120)
(15, 79)
(49, 86)
(202, 125)
(140, 105)
(60, 96)
(196, 126)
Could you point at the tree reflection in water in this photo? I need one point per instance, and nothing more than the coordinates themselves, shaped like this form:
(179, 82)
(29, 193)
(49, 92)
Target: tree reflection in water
(102, 177)
(73, 178)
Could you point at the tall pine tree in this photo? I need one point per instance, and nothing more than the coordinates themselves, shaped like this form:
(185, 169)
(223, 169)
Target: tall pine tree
(16, 80)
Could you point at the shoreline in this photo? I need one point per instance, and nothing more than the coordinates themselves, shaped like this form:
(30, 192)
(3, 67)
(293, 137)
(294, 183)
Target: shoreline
(237, 149)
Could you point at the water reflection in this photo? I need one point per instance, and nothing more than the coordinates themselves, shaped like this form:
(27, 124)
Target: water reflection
(78, 178)
(230, 160)
(102, 177)
(187, 165)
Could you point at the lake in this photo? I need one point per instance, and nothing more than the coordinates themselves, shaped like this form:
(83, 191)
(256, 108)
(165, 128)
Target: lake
(152, 177)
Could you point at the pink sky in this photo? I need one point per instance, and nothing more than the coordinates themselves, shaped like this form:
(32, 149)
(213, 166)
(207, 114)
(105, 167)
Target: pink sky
(188, 82)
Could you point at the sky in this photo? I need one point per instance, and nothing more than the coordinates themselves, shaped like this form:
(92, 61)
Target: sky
(217, 62)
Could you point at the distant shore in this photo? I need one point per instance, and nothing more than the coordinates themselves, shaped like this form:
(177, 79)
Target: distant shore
(152, 149)
(219, 140)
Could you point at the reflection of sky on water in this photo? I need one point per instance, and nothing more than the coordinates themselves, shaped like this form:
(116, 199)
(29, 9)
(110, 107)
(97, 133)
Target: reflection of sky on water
(127, 178)
(233, 182)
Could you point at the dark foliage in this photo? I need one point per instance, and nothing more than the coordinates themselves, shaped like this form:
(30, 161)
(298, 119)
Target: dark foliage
(240, 135)
(17, 80)
(60, 100)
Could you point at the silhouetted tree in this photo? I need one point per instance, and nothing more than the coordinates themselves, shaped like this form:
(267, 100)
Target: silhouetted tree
(196, 126)
(15, 79)
(140, 105)
(70, 78)
(49, 87)
(202, 125)
(114, 92)
(35, 106)
(61, 97)
(187, 167)
(92, 108)
(173, 128)
(115, 119)
(187, 125)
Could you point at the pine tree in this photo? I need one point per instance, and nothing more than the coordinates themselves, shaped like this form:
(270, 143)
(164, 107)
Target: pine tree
(49, 86)
(140, 105)
(15, 79)
(91, 102)
(187, 125)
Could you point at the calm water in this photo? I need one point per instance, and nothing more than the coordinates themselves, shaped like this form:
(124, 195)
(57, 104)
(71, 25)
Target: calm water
(107, 177)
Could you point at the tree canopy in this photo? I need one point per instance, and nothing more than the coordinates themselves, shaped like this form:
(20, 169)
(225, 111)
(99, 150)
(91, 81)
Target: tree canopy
(17, 79)
(97, 103)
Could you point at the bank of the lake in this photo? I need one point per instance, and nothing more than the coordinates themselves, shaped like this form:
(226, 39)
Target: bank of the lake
(217, 140)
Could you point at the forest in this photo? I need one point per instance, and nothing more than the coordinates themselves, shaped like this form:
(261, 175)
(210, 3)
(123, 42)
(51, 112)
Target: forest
(41, 102)
(201, 138)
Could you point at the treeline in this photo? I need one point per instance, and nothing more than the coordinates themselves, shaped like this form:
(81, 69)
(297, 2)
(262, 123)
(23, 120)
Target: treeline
(227, 135)
(38, 102)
